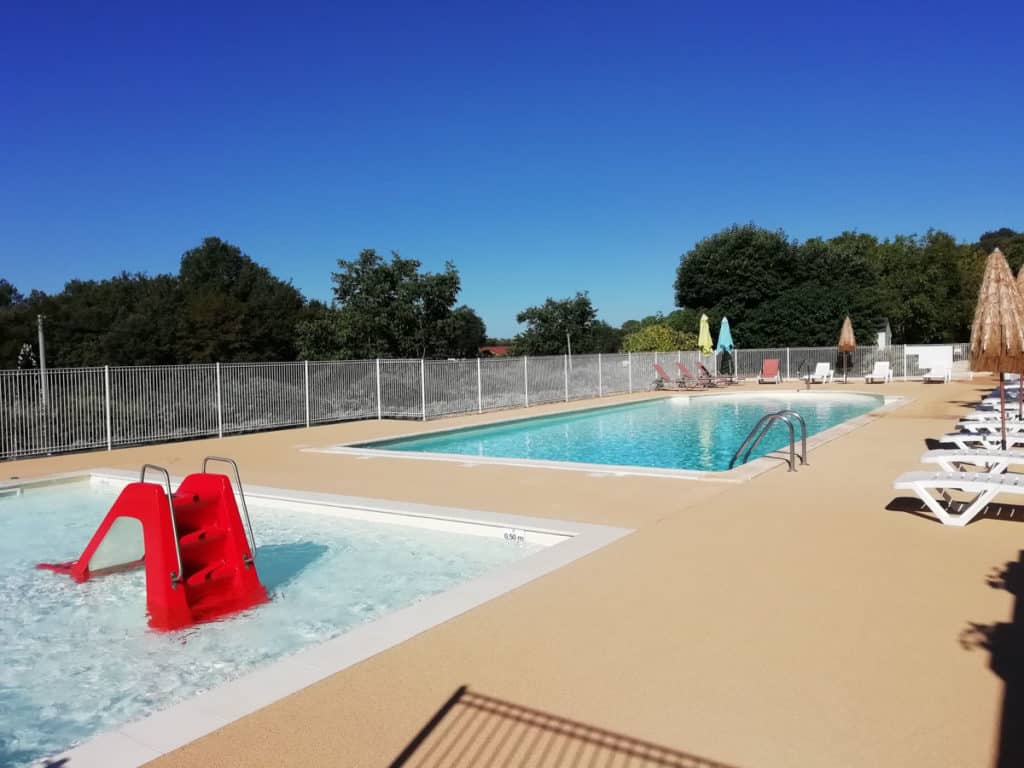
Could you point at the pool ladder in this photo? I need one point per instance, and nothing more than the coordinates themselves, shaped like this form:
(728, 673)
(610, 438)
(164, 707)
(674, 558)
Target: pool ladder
(756, 435)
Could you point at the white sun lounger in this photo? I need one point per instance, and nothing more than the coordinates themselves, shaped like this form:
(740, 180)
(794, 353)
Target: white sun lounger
(880, 373)
(937, 375)
(983, 486)
(991, 427)
(995, 460)
(823, 374)
(993, 401)
(966, 440)
(987, 414)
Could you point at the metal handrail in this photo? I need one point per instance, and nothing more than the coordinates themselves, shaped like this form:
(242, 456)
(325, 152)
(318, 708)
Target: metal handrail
(803, 433)
(764, 424)
(176, 578)
(241, 496)
(759, 430)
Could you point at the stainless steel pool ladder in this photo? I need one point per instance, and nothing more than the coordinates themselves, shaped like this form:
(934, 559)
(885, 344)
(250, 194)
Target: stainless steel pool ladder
(764, 424)
(241, 497)
(176, 576)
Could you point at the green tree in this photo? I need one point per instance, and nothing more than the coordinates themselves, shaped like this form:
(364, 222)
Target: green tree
(391, 309)
(9, 295)
(604, 337)
(685, 320)
(658, 338)
(318, 333)
(233, 309)
(466, 332)
(736, 272)
(921, 281)
(550, 326)
(1009, 241)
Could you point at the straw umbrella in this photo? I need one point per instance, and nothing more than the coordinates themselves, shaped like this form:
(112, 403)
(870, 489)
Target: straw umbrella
(997, 334)
(847, 343)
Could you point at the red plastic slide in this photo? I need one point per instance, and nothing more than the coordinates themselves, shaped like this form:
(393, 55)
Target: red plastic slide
(215, 574)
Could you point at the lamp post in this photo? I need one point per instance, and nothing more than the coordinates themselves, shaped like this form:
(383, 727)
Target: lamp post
(42, 359)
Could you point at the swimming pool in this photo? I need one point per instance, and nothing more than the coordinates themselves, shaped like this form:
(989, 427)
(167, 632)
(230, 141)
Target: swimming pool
(674, 433)
(79, 659)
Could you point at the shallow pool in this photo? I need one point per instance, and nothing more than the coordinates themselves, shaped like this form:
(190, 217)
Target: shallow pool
(78, 659)
(700, 433)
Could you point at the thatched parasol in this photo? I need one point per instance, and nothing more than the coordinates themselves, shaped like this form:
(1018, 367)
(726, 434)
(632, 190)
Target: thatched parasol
(997, 334)
(847, 343)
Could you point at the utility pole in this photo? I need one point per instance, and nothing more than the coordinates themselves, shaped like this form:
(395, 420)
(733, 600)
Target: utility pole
(568, 344)
(42, 359)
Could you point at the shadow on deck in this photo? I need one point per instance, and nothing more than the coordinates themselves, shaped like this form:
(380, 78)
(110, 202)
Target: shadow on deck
(1005, 642)
(472, 729)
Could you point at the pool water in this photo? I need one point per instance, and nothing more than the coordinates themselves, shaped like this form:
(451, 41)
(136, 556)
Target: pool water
(700, 433)
(78, 659)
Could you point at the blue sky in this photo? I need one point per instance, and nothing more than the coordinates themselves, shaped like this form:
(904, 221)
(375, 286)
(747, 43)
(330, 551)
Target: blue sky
(544, 148)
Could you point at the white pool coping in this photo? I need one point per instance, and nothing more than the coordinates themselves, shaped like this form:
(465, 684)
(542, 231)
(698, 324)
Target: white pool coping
(363, 449)
(139, 742)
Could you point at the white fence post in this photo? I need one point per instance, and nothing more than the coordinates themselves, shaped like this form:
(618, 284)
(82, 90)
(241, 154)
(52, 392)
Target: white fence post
(565, 361)
(905, 375)
(106, 389)
(787, 362)
(600, 380)
(629, 359)
(379, 408)
(423, 387)
(479, 389)
(526, 380)
(220, 409)
(305, 370)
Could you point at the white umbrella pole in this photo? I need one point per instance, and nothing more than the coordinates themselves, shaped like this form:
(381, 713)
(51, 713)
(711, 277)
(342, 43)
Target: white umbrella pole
(1002, 406)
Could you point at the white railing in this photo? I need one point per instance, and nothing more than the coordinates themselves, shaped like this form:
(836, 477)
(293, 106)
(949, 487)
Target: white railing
(76, 409)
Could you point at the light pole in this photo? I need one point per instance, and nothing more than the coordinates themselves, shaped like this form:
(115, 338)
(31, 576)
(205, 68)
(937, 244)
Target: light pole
(568, 345)
(42, 359)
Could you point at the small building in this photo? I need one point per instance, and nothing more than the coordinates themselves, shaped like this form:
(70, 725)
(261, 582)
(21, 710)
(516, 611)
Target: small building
(884, 334)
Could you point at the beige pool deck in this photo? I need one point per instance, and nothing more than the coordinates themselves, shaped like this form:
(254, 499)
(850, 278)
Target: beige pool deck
(798, 619)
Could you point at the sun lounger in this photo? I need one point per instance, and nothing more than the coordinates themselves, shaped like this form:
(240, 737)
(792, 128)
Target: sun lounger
(995, 460)
(994, 401)
(711, 379)
(822, 374)
(967, 440)
(687, 376)
(990, 427)
(664, 381)
(989, 414)
(881, 373)
(770, 372)
(937, 376)
(982, 487)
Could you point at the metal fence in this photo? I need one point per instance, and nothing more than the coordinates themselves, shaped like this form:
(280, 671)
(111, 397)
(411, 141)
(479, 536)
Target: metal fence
(73, 409)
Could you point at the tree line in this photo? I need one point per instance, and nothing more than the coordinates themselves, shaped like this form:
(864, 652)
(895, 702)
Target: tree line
(780, 292)
(222, 306)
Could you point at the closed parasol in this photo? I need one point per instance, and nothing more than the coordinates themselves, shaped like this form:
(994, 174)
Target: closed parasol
(997, 333)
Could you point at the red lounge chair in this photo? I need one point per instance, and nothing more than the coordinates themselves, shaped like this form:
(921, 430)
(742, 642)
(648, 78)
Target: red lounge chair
(696, 381)
(714, 380)
(665, 381)
(770, 372)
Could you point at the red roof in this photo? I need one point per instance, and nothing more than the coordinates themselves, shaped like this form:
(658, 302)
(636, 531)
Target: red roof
(498, 350)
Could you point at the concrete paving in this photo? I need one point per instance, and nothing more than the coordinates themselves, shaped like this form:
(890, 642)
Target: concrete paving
(793, 620)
